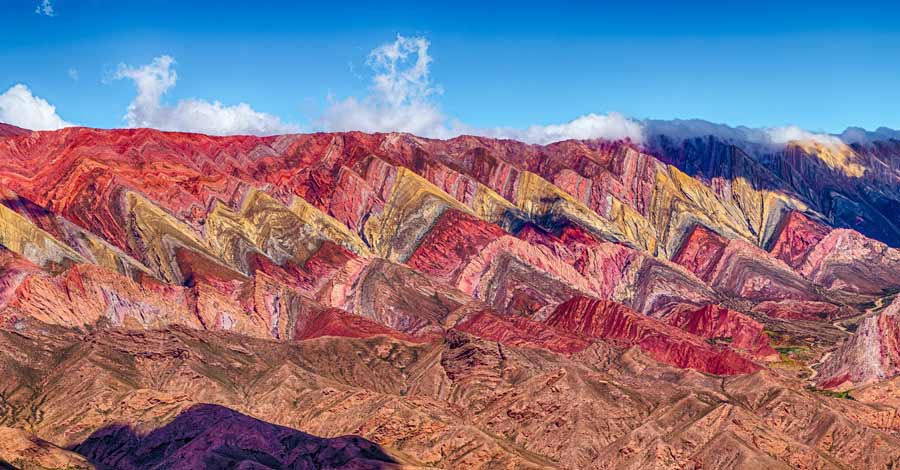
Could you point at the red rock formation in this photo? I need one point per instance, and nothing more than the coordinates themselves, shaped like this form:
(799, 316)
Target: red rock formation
(594, 259)
(795, 236)
(319, 321)
(13, 270)
(7, 130)
(503, 271)
(87, 294)
(451, 243)
(520, 332)
(798, 310)
(593, 318)
(700, 252)
(739, 269)
(846, 260)
(719, 323)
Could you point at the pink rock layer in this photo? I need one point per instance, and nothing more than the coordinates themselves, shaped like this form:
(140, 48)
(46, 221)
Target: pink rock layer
(593, 318)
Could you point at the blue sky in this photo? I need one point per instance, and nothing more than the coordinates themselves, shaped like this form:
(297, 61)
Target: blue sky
(820, 65)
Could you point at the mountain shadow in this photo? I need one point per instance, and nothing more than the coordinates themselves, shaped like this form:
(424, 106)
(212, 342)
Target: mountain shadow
(214, 437)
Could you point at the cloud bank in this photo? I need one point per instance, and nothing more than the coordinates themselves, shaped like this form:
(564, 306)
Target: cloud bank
(155, 79)
(860, 135)
(611, 126)
(680, 129)
(21, 108)
(785, 134)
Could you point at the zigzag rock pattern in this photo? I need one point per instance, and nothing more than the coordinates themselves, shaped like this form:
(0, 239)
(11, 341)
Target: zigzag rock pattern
(463, 303)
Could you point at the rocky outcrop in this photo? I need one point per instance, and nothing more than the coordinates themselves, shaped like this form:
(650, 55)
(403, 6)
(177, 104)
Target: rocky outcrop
(846, 260)
(7, 130)
(721, 324)
(849, 186)
(742, 270)
(795, 237)
(872, 353)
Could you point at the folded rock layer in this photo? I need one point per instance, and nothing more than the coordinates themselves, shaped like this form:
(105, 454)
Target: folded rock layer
(352, 300)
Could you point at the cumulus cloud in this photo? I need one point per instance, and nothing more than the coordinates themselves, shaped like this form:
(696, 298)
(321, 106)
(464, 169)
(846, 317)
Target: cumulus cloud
(45, 8)
(402, 98)
(155, 79)
(21, 108)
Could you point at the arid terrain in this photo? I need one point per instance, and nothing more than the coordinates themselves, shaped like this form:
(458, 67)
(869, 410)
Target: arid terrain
(380, 301)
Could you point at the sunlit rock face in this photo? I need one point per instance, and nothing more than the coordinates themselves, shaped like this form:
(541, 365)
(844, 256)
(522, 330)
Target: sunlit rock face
(462, 303)
(872, 354)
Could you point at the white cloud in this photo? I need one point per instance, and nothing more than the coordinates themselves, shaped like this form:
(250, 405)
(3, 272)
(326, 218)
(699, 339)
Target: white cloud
(611, 126)
(423, 119)
(785, 134)
(860, 135)
(402, 99)
(155, 79)
(399, 86)
(20, 108)
(73, 73)
(45, 8)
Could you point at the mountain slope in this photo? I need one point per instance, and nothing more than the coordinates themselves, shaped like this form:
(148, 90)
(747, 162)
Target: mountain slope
(467, 302)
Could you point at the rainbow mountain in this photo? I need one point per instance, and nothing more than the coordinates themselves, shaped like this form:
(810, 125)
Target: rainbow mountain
(352, 300)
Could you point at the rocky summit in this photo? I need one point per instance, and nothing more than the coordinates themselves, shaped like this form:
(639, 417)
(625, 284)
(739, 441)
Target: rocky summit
(385, 301)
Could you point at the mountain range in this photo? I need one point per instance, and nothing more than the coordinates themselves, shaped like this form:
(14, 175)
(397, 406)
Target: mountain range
(353, 300)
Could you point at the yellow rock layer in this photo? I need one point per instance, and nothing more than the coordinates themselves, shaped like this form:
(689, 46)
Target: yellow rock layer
(103, 254)
(280, 232)
(838, 156)
(412, 208)
(19, 235)
(538, 197)
(263, 224)
(332, 228)
(490, 206)
(763, 209)
(157, 233)
(679, 201)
